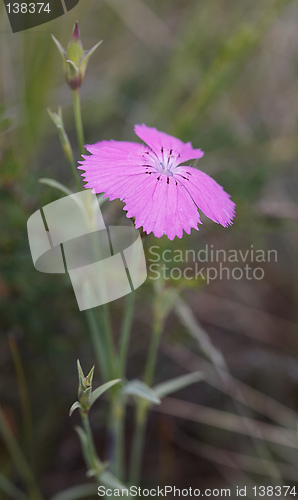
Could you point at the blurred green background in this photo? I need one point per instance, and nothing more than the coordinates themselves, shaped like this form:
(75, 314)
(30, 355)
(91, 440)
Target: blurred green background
(222, 75)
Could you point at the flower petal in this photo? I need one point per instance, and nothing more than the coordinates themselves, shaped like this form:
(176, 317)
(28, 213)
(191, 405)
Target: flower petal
(209, 196)
(160, 141)
(116, 147)
(112, 165)
(162, 206)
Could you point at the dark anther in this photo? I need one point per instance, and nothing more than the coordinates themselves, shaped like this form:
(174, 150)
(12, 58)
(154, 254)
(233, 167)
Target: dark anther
(162, 150)
(185, 178)
(168, 180)
(171, 151)
(176, 183)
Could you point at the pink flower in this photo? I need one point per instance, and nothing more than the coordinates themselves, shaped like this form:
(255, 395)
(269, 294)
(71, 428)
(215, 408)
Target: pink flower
(158, 190)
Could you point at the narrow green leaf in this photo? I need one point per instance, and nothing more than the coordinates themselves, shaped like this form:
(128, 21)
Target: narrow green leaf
(56, 117)
(72, 66)
(56, 185)
(103, 388)
(11, 490)
(141, 390)
(90, 376)
(17, 456)
(88, 53)
(60, 48)
(165, 300)
(81, 376)
(74, 407)
(82, 491)
(82, 435)
(170, 386)
(84, 445)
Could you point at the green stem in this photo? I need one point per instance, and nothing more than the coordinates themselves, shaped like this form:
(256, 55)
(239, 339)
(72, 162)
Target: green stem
(105, 354)
(117, 436)
(99, 326)
(74, 173)
(24, 396)
(98, 345)
(19, 459)
(125, 333)
(91, 452)
(138, 444)
(78, 120)
(93, 462)
(118, 404)
(65, 144)
(108, 340)
(151, 360)
(67, 149)
(143, 407)
(11, 490)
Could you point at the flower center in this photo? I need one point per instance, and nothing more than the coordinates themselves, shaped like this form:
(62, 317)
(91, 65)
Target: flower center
(164, 168)
(164, 162)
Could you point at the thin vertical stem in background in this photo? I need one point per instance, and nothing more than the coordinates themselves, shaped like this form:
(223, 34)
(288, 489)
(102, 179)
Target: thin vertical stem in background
(143, 406)
(125, 332)
(151, 360)
(24, 396)
(108, 339)
(118, 403)
(98, 344)
(117, 435)
(11, 490)
(74, 171)
(102, 341)
(117, 415)
(57, 119)
(90, 447)
(78, 120)
(138, 443)
(93, 461)
(19, 459)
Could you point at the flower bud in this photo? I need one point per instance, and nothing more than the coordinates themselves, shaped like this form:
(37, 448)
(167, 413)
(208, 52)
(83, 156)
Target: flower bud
(85, 388)
(75, 58)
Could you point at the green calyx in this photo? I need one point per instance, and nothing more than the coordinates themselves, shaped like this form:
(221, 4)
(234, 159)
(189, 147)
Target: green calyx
(75, 58)
(85, 388)
(87, 397)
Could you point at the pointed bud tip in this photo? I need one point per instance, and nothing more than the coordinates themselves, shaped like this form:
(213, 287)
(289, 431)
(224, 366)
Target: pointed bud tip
(76, 33)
